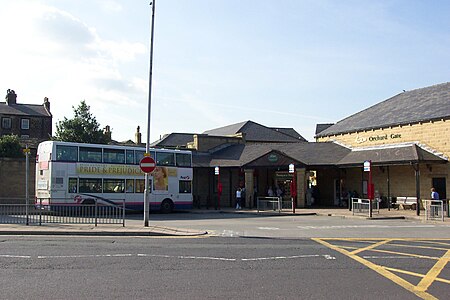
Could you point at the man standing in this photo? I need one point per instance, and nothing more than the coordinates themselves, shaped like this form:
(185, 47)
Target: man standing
(434, 194)
(238, 198)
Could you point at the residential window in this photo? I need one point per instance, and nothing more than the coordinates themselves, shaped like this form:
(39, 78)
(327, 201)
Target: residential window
(25, 124)
(6, 123)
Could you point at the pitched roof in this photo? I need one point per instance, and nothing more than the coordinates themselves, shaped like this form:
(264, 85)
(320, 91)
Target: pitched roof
(391, 154)
(316, 155)
(255, 132)
(174, 140)
(34, 110)
(311, 154)
(424, 104)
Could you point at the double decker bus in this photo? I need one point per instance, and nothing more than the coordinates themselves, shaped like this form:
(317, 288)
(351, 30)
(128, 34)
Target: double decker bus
(77, 173)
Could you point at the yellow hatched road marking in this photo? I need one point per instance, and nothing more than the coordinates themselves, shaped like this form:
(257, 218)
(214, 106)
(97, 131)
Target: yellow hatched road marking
(417, 246)
(431, 276)
(371, 246)
(415, 274)
(379, 269)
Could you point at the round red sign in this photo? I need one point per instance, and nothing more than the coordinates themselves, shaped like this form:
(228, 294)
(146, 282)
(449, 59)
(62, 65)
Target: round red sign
(147, 164)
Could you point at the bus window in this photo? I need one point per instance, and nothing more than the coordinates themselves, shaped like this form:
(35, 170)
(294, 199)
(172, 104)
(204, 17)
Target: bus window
(183, 160)
(129, 156)
(90, 154)
(185, 186)
(140, 185)
(66, 153)
(130, 186)
(90, 185)
(165, 159)
(73, 185)
(115, 156)
(113, 185)
(139, 155)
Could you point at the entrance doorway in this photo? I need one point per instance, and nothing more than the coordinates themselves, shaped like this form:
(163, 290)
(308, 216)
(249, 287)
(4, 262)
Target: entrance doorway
(439, 184)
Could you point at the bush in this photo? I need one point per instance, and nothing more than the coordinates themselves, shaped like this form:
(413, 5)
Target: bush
(10, 146)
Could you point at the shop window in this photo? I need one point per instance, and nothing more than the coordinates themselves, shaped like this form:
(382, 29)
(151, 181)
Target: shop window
(130, 185)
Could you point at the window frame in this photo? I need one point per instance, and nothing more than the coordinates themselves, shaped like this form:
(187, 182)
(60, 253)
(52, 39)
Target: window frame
(22, 122)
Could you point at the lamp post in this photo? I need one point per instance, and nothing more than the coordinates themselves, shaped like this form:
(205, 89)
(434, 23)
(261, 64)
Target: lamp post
(147, 145)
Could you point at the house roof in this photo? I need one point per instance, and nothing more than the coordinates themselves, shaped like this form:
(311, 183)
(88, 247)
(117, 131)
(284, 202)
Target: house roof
(34, 110)
(255, 132)
(239, 155)
(315, 155)
(174, 140)
(424, 104)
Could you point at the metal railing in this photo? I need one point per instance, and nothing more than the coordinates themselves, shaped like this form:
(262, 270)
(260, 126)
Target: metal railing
(362, 206)
(435, 209)
(269, 203)
(62, 213)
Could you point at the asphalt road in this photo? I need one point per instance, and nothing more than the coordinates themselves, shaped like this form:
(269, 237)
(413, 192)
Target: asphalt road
(220, 268)
(249, 225)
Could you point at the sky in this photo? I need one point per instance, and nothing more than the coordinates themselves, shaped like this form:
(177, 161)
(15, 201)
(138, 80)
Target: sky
(284, 63)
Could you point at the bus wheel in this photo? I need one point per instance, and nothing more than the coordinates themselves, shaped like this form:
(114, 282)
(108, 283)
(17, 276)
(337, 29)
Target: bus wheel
(167, 206)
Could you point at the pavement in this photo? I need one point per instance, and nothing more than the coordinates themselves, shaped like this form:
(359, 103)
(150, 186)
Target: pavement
(136, 228)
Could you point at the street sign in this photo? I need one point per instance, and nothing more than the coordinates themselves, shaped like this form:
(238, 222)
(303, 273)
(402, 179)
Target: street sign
(367, 166)
(291, 168)
(147, 164)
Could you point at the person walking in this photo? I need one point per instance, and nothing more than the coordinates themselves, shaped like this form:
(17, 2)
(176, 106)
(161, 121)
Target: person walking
(238, 198)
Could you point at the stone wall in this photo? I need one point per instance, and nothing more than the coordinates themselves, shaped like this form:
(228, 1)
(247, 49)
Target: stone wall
(12, 180)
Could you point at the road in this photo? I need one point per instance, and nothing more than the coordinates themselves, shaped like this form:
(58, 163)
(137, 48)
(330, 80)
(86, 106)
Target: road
(247, 257)
(228, 224)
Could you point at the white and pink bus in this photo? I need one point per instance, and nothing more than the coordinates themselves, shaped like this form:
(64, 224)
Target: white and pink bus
(76, 173)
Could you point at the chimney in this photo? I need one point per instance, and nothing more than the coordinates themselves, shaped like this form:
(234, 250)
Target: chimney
(11, 97)
(138, 136)
(107, 132)
(47, 104)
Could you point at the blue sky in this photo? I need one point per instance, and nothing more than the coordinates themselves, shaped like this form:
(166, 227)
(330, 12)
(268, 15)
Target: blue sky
(285, 63)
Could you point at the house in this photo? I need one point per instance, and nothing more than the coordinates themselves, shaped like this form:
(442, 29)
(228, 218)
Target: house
(30, 122)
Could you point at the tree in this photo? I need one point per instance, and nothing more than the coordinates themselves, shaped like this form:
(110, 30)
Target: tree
(10, 146)
(83, 128)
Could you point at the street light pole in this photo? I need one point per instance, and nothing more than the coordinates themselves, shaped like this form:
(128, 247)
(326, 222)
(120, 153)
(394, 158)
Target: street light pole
(147, 146)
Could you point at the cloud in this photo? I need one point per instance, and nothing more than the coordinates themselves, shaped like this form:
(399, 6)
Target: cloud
(51, 52)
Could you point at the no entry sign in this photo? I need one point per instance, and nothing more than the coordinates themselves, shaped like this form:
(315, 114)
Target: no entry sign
(147, 164)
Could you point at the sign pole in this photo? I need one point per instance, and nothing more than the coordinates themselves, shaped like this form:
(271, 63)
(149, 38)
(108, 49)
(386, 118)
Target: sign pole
(27, 170)
(147, 145)
(293, 187)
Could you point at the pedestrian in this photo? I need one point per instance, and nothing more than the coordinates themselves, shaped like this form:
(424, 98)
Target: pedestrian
(270, 192)
(238, 198)
(434, 194)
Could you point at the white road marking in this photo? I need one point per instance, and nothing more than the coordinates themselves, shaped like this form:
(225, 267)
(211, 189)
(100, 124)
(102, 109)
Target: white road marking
(326, 256)
(367, 226)
(268, 228)
(15, 256)
(393, 257)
